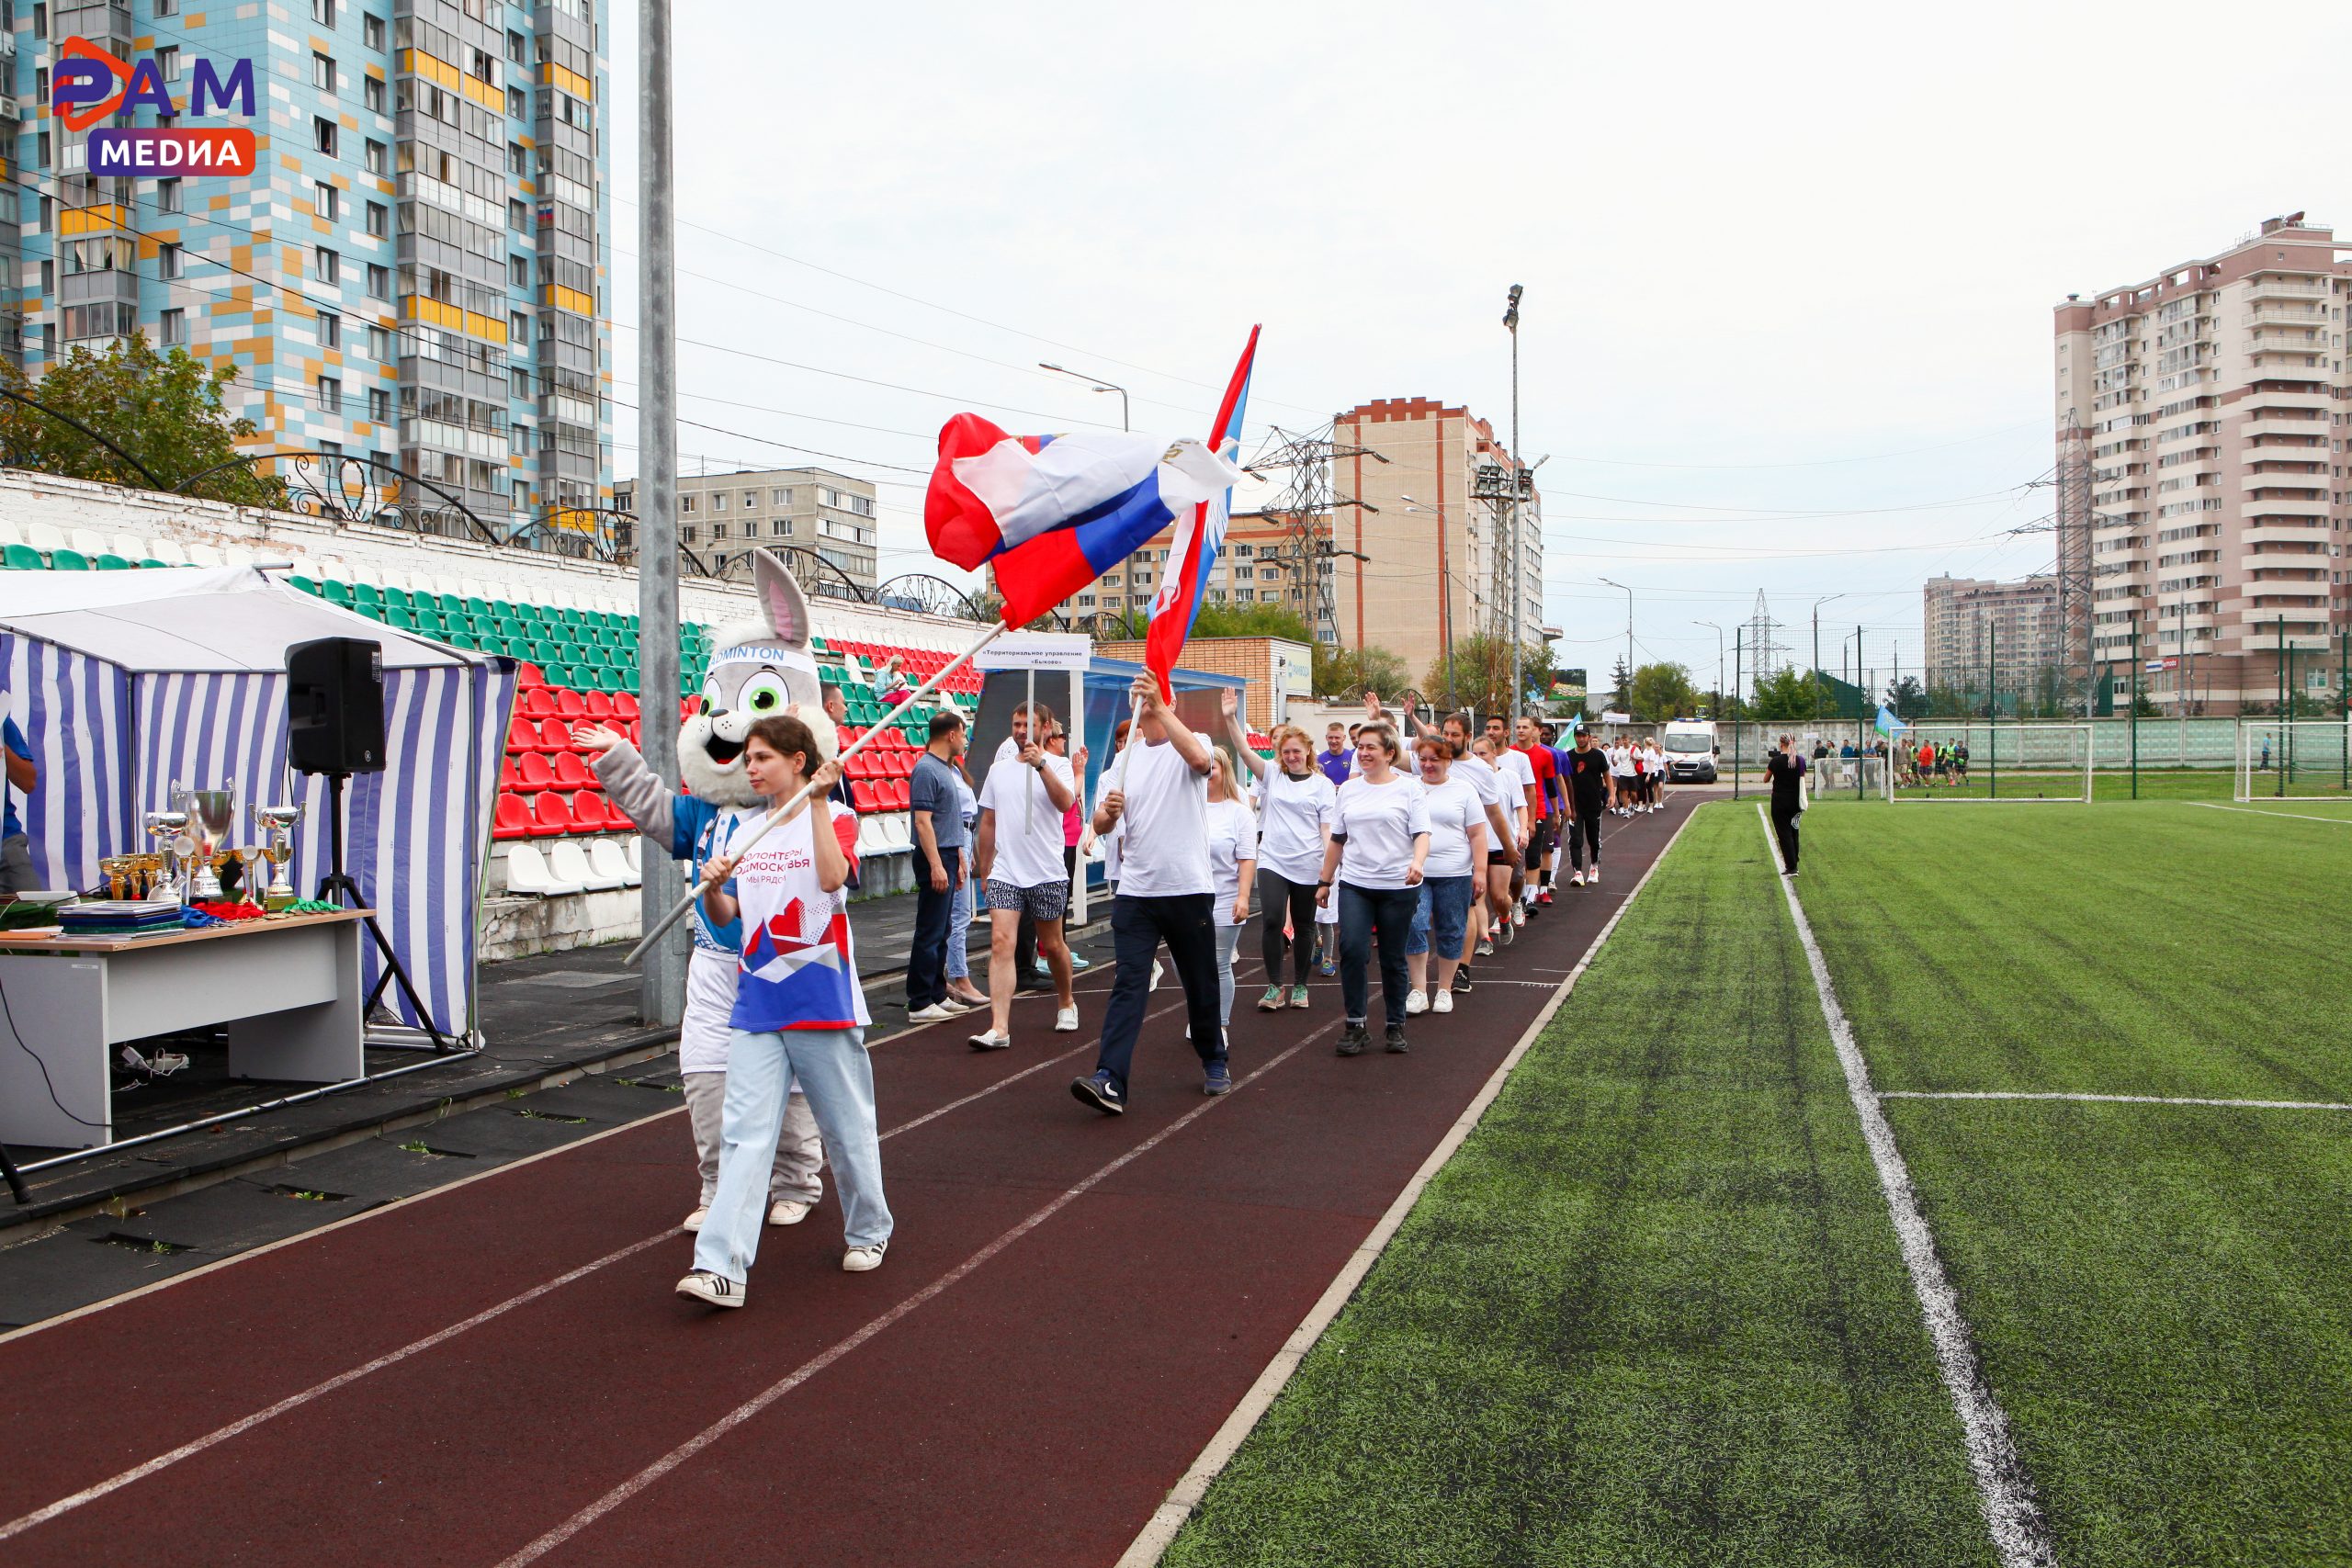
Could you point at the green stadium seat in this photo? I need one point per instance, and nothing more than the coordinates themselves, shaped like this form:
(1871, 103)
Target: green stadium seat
(304, 584)
(428, 623)
(113, 563)
(395, 598)
(68, 560)
(147, 563)
(459, 640)
(396, 617)
(364, 595)
(337, 593)
(21, 557)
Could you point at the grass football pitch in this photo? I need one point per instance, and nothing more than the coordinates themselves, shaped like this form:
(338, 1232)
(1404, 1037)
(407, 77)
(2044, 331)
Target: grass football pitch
(1654, 1311)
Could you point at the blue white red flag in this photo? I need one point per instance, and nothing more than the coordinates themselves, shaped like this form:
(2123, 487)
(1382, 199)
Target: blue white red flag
(1200, 534)
(1052, 513)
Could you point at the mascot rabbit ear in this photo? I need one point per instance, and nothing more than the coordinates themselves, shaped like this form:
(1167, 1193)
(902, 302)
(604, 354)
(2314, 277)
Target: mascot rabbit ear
(780, 596)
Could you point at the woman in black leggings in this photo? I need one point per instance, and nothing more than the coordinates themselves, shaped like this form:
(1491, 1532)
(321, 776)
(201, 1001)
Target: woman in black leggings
(1294, 824)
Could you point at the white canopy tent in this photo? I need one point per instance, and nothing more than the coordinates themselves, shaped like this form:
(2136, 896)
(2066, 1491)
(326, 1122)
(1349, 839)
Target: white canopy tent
(126, 683)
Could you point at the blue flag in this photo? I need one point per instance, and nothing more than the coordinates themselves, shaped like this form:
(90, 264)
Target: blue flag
(1887, 723)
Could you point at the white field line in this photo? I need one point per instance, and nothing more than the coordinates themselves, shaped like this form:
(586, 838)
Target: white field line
(1161, 1531)
(2257, 811)
(826, 1358)
(295, 1400)
(2020, 1534)
(2111, 1098)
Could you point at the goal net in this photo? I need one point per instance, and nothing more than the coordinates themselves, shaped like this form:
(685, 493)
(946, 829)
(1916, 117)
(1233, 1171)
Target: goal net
(2300, 759)
(1990, 762)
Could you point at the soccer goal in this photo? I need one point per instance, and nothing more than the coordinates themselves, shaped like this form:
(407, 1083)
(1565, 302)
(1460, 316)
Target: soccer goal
(2043, 761)
(2294, 759)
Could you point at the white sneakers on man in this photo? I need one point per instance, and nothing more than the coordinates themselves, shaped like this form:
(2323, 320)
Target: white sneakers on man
(937, 1013)
(1066, 1021)
(1416, 1003)
(694, 1220)
(858, 1260)
(788, 1212)
(711, 1289)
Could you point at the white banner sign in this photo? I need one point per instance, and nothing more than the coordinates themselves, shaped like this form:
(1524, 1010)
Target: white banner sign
(1038, 650)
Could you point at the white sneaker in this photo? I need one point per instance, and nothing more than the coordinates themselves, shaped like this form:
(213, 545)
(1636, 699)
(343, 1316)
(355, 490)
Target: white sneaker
(1445, 1001)
(701, 1213)
(711, 1289)
(858, 1260)
(990, 1040)
(1416, 1003)
(788, 1212)
(1066, 1021)
(1576, 881)
(1155, 973)
(1519, 917)
(1487, 948)
(937, 1013)
(1593, 878)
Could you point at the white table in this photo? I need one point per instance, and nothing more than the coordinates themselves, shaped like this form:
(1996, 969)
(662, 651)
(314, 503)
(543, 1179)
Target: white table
(288, 988)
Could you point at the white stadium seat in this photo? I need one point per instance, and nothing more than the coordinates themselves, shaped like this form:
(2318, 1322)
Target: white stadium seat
(896, 832)
(526, 872)
(204, 555)
(634, 851)
(90, 544)
(606, 859)
(569, 862)
(134, 549)
(169, 551)
(45, 538)
(869, 836)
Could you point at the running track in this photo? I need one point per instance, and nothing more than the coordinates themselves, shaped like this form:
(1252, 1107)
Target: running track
(1071, 1306)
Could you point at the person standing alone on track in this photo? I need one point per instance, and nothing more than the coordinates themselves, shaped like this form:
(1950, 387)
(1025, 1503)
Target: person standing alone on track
(1158, 788)
(1294, 823)
(1588, 804)
(1786, 769)
(1380, 842)
(799, 1014)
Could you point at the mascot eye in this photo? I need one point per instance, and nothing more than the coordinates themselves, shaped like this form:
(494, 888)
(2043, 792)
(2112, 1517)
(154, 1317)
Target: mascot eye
(765, 693)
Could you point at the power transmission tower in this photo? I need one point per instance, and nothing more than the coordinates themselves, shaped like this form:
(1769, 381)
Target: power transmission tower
(1766, 648)
(1306, 508)
(2077, 614)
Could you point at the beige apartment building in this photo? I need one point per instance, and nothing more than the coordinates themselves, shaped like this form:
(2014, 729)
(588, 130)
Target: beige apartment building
(2213, 395)
(1978, 629)
(723, 514)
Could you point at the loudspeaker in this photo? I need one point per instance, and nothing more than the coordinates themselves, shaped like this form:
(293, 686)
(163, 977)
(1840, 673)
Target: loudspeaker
(334, 704)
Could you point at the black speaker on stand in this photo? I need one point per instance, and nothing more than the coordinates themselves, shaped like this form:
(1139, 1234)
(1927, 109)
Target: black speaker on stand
(335, 702)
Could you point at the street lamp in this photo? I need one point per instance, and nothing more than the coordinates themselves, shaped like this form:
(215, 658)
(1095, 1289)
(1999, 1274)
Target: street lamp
(1719, 665)
(1445, 589)
(1817, 603)
(1628, 692)
(1099, 384)
(1518, 559)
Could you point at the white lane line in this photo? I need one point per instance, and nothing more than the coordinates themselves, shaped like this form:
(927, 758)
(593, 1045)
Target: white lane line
(2020, 1534)
(826, 1358)
(2111, 1099)
(1160, 1532)
(2257, 811)
(391, 1358)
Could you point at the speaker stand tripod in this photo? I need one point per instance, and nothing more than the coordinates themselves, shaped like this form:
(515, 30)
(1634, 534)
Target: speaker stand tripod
(15, 1182)
(334, 887)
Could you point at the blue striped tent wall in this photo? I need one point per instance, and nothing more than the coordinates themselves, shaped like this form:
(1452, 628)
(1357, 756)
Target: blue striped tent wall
(71, 711)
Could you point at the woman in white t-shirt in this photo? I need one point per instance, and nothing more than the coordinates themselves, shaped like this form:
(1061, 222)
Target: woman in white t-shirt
(1621, 777)
(1457, 858)
(1379, 838)
(799, 1014)
(1233, 864)
(1295, 803)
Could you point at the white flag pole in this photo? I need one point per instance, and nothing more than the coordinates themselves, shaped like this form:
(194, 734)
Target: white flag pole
(1078, 784)
(677, 910)
(1036, 739)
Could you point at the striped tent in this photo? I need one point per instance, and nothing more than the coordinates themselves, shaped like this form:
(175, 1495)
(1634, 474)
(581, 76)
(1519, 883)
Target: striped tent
(128, 682)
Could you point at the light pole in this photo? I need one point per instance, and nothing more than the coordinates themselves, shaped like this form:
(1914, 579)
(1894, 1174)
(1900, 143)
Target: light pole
(1099, 384)
(1817, 603)
(1627, 695)
(1445, 594)
(1719, 662)
(1518, 556)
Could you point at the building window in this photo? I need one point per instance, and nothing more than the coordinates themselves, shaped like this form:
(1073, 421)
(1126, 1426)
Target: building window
(514, 49)
(522, 381)
(750, 501)
(167, 261)
(518, 217)
(780, 497)
(379, 405)
(379, 159)
(171, 328)
(326, 201)
(780, 528)
(322, 134)
(686, 536)
(330, 394)
(686, 505)
(518, 271)
(322, 12)
(330, 330)
(326, 265)
(379, 220)
(322, 73)
(372, 88)
(518, 160)
(518, 329)
(167, 62)
(518, 107)
(167, 7)
(41, 150)
(518, 440)
(372, 29)
(379, 282)
(717, 532)
(379, 345)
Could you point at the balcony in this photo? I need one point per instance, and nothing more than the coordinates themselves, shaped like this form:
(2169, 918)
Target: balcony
(2276, 287)
(86, 287)
(2273, 426)
(2286, 343)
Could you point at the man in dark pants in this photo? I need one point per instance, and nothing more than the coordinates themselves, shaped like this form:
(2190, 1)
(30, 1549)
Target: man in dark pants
(1588, 804)
(1159, 785)
(1786, 770)
(937, 814)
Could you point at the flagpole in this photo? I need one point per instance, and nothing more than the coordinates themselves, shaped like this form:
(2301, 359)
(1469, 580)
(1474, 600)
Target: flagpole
(1036, 739)
(678, 910)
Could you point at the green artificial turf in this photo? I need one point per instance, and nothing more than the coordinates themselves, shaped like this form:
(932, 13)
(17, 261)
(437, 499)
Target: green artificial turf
(1652, 1312)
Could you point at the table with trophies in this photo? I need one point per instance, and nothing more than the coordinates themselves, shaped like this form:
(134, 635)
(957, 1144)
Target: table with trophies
(98, 972)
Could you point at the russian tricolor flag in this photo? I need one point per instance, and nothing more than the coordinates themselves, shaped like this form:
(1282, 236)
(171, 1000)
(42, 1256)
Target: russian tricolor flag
(1200, 534)
(1054, 513)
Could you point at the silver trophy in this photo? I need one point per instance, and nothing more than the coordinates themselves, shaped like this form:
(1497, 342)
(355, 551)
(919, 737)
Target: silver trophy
(169, 829)
(276, 825)
(212, 815)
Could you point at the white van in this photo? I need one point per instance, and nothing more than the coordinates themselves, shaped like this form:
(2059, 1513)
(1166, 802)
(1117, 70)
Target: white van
(1690, 748)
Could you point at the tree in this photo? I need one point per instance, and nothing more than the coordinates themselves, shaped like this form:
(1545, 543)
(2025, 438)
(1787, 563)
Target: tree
(1620, 694)
(1481, 675)
(1662, 692)
(1786, 694)
(165, 410)
(1907, 698)
(1344, 672)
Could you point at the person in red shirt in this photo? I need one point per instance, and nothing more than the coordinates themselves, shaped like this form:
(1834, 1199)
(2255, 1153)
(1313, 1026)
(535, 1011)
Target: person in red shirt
(1544, 834)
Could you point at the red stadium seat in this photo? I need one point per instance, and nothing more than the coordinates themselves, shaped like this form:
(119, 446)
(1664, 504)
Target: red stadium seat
(532, 675)
(568, 706)
(635, 734)
(589, 815)
(861, 794)
(555, 734)
(506, 778)
(522, 735)
(571, 773)
(624, 706)
(532, 773)
(598, 705)
(514, 819)
(550, 815)
(539, 703)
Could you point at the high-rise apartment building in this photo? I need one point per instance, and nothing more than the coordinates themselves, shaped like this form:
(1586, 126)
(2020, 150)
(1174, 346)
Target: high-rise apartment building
(2004, 632)
(1263, 562)
(2212, 396)
(817, 509)
(417, 270)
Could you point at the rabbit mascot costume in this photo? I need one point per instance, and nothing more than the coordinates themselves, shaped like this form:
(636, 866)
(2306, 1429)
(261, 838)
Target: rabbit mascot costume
(758, 668)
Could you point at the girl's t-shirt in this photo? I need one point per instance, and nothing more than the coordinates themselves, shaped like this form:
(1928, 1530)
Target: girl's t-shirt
(1295, 813)
(1454, 808)
(1379, 823)
(1232, 834)
(799, 964)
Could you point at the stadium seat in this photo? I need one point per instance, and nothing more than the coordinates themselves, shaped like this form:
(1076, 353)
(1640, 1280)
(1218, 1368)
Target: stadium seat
(589, 814)
(608, 861)
(550, 815)
(21, 557)
(533, 773)
(597, 706)
(623, 705)
(68, 560)
(522, 735)
(568, 861)
(571, 773)
(508, 778)
(526, 872)
(861, 794)
(538, 703)
(568, 706)
(513, 821)
(896, 833)
(531, 674)
(555, 734)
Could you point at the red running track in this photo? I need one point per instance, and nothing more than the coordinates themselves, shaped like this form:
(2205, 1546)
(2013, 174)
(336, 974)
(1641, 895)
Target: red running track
(1072, 1305)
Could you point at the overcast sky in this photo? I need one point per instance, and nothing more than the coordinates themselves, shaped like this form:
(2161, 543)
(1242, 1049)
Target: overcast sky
(1788, 270)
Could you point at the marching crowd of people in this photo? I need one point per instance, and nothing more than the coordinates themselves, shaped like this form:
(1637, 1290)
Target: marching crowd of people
(1420, 847)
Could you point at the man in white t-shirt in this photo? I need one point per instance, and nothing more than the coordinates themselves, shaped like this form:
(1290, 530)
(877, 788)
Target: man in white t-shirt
(1020, 865)
(1160, 787)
